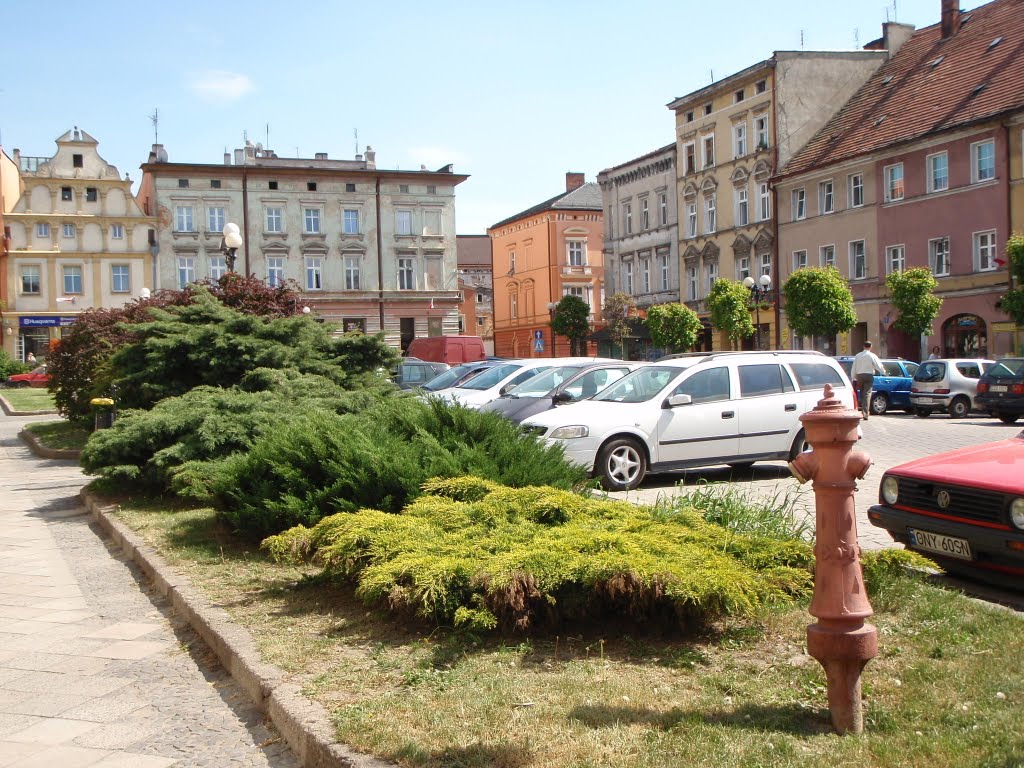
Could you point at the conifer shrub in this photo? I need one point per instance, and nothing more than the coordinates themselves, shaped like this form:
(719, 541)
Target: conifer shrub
(472, 554)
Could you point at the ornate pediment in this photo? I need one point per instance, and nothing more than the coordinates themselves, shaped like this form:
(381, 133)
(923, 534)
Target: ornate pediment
(691, 253)
(763, 240)
(710, 252)
(690, 190)
(709, 185)
(741, 245)
(739, 175)
(762, 170)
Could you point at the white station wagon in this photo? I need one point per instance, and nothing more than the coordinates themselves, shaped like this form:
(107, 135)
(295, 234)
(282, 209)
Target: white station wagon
(696, 410)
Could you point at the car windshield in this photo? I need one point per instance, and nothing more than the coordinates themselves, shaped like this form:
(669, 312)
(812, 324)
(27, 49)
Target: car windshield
(448, 378)
(492, 376)
(1010, 367)
(931, 370)
(641, 385)
(542, 383)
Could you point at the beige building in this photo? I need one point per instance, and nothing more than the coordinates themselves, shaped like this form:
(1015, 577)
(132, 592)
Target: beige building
(78, 240)
(731, 137)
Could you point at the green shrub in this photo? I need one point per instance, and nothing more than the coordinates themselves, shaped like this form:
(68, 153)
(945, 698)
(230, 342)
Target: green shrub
(519, 558)
(9, 366)
(882, 566)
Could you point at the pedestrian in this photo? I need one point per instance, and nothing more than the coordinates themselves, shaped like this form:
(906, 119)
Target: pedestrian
(865, 365)
(935, 353)
(31, 359)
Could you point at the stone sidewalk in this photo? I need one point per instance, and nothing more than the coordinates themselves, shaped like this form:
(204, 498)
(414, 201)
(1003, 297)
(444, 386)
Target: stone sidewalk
(95, 670)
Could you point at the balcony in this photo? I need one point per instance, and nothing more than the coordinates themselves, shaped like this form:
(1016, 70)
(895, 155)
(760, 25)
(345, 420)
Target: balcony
(569, 270)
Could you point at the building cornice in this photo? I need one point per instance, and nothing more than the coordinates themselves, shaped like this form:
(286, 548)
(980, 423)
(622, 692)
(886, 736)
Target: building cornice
(221, 171)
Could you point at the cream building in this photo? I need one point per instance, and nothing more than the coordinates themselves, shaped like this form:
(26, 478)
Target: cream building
(78, 240)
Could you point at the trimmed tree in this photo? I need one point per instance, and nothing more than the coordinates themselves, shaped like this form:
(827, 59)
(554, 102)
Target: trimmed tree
(618, 309)
(729, 304)
(674, 327)
(571, 319)
(818, 302)
(912, 293)
(1012, 303)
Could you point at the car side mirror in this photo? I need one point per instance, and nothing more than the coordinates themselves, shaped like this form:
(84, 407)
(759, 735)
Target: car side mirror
(505, 389)
(676, 400)
(561, 397)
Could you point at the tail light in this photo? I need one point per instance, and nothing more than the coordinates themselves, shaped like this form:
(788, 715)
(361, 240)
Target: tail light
(942, 391)
(914, 389)
(982, 387)
(1017, 389)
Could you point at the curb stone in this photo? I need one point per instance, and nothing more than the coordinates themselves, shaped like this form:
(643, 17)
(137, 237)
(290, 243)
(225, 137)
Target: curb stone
(305, 725)
(41, 450)
(10, 410)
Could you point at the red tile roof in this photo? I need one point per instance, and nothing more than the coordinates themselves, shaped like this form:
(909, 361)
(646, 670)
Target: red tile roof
(930, 85)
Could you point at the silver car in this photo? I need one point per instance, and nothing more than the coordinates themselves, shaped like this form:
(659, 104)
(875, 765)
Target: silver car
(947, 385)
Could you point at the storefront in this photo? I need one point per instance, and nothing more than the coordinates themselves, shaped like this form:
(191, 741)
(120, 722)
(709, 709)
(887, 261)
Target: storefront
(37, 332)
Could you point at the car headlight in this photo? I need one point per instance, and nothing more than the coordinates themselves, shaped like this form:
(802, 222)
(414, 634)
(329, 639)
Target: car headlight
(1017, 513)
(891, 490)
(568, 433)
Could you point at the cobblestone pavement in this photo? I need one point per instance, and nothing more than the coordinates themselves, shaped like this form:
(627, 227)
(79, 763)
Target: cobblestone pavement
(95, 670)
(890, 440)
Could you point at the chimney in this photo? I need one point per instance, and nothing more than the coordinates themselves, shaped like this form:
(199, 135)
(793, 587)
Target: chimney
(574, 181)
(950, 18)
(371, 157)
(227, 158)
(894, 35)
(239, 159)
(320, 156)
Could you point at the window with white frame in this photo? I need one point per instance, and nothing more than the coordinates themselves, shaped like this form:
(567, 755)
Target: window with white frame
(739, 139)
(576, 252)
(350, 221)
(218, 267)
(858, 260)
(938, 256)
(985, 251)
(314, 273)
(183, 221)
(432, 222)
(799, 204)
(742, 207)
(351, 273)
(764, 202)
(710, 213)
(645, 275)
(856, 190)
(627, 219)
(707, 145)
(513, 306)
(42, 229)
(893, 182)
(275, 271)
(663, 269)
(895, 259)
(691, 219)
(712, 274)
(575, 290)
(761, 131)
(70, 231)
(275, 219)
(117, 231)
(511, 262)
(826, 197)
(406, 275)
(72, 279)
(645, 215)
(692, 281)
(311, 221)
(215, 218)
(766, 263)
(663, 209)
(30, 279)
(742, 268)
(627, 277)
(938, 172)
(186, 270)
(689, 158)
(120, 278)
(983, 161)
(827, 255)
(403, 222)
(799, 260)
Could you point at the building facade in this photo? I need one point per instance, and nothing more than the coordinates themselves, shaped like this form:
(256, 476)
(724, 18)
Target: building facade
(10, 191)
(477, 288)
(370, 249)
(539, 255)
(78, 240)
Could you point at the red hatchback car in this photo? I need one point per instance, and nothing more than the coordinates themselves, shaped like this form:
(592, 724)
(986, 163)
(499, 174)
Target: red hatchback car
(963, 508)
(38, 377)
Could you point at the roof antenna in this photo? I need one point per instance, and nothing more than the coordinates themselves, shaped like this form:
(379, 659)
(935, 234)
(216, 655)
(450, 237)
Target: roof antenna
(801, 39)
(712, 75)
(355, 132)
(155, 119)
(895, 15)
(856, 37)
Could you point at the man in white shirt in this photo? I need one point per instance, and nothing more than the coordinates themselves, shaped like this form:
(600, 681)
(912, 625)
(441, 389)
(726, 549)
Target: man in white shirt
(865, 365)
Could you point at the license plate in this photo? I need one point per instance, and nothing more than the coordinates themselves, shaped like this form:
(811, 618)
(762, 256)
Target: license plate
(950, 546)
(999, 388)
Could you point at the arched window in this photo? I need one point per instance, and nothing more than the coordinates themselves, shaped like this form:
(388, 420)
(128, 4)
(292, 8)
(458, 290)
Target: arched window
(964, 335)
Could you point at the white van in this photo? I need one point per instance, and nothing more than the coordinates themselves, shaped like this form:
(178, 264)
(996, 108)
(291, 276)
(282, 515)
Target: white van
(694, 410)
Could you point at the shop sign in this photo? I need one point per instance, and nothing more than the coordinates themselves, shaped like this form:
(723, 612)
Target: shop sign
(45, 321)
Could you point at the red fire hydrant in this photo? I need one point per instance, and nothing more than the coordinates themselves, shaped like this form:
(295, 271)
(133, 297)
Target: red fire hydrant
(840, 640)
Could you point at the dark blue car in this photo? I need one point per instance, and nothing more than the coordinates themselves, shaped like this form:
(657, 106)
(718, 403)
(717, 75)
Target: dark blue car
(891, 390)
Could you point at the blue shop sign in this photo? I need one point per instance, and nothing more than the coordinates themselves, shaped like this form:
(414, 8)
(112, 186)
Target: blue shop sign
(43, 321)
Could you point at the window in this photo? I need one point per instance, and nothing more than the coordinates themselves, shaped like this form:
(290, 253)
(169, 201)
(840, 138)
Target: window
(663, 209)
(799, 204)
(766, 263)
(271, 185)
(760, 86)
(314, 273)
(938, 256)
(706, 386)
(42, 229)
(858, 260)
(689, 116)
(827, 255)
(758, 380)
(645, 275)
(275, 271)
(186, 270)
(120, 278)
(350, 221)
(856, 191)
(691, 220)
(826, 197)
(117, 231)
(351, 273)
(627, 219)
(576, 252)
(406, 276)
(663, 267)
(218, 267)
(627, 281)
(738, 96)
(893, 182)
(742, 213)
(817, 375)
(69, 231)
(985, 251)
(742, 268)
(311, 186)
(707, 108)
(799, 260)
(215, 219)
(311, 221)
(689, 158)
(182, 183)
(214, 183)
(431, 189)
(938, 172)
(895, 259)
(350, 187)
(761, 131)
(30, 279)
(432, 222)
(480, 298)
(91, 194)
(710, 213)
(65, 193)
(739, 139)
(764, 202)
(513, 306)
(183, 218)
(983, 161)
(77, 161)
(403, 188)
(574, 290)
(712, 274)
(403, 222)
(645, 215)
(691, 283)
(275, 219)
(511, 262)
(707, 145)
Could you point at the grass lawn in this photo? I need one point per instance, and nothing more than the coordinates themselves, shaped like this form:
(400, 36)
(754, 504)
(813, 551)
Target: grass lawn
(60, 434)
(29, 398)
(947, 688)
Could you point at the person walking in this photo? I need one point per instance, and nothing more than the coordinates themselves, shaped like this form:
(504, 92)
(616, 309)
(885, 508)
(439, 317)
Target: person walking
(865, 365)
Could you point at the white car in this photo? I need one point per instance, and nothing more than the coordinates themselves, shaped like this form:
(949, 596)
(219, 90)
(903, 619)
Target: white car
(489, 384)
(694, 411)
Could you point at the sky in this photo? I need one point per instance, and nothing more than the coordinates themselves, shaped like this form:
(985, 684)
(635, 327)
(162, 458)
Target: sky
(514, 94)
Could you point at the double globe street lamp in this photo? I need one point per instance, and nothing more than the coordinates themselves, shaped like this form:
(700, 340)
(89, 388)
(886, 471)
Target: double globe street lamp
(230, 244)
(759, 291)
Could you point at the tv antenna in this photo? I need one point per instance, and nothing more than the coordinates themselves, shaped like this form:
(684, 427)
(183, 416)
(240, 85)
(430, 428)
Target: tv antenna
(155, 119)
(355, 132)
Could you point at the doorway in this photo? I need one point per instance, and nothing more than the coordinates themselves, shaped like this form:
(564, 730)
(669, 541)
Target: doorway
(964, 336)
(406, 331)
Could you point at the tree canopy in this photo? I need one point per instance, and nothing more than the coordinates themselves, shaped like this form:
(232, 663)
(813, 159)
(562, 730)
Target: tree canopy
(912, 293)
(818, 302)
(618, 309)
(729, 304)
(1012, 303)
(571, 319)
(674, 327)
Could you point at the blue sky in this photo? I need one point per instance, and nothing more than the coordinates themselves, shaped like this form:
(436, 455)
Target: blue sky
(514, 94)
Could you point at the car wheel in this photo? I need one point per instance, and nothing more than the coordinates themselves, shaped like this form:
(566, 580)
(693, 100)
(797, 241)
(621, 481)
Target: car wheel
(959, 408)
(1008, 418)
(879, 404)
(800, 445)
(922, 413)
(622, 464)
(22, 384)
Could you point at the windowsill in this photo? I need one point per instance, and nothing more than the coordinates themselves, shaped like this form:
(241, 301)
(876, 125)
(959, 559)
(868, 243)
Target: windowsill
(185, 233)
(353, 235)
(314, 235)
(275, 235)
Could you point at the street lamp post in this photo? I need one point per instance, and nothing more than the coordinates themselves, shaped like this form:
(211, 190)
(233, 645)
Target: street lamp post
(759, 291)
(230, 244)
(551, 311)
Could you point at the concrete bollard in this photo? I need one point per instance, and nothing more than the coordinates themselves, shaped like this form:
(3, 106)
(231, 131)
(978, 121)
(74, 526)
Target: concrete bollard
(840, 640)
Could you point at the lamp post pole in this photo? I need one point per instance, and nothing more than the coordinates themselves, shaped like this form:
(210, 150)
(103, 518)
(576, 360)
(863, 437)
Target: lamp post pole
(759, 291)
(551, 312)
